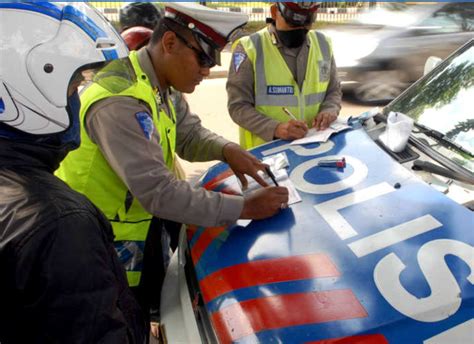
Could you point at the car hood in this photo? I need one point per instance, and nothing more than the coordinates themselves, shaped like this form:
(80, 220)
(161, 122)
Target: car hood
(370, 254)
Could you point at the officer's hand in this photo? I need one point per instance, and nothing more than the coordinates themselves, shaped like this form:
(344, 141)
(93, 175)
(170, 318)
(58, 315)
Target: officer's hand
(264, 203)
(323, 120)
(242, 162)
(291, 130)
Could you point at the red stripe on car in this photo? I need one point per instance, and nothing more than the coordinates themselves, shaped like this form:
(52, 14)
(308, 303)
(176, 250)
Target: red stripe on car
(269, 313)
(205, 239)
(365, 339)
(267, 271)
(210, 185)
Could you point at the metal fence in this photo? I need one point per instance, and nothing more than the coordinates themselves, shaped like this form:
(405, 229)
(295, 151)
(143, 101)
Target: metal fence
(329, 11)
(258, 11)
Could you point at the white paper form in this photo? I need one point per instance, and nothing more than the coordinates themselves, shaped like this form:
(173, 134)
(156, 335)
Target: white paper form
(277, 164)
(314, 135)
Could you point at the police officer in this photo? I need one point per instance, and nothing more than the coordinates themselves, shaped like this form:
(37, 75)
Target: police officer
(61, 279)
(138, 19)
(135, 118)
(283, 65)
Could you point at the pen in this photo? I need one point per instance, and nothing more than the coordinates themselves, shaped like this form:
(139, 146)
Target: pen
(288, 112)
(271, 175)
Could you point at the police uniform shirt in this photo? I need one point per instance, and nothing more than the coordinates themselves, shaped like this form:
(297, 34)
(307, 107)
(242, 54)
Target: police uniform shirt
(138, 160)
(241, 93)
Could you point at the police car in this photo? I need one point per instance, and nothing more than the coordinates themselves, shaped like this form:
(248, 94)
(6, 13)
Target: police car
(380, 251)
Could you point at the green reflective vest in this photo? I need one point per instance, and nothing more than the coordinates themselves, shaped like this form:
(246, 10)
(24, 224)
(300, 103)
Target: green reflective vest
(87, 171)
(275, 86)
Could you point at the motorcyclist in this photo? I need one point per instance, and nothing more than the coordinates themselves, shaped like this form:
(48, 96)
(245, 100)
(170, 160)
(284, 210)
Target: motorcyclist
(142, 14)
(62, 281)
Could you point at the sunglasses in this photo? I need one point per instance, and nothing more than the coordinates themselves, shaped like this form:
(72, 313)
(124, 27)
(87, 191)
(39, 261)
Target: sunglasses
(204, 60)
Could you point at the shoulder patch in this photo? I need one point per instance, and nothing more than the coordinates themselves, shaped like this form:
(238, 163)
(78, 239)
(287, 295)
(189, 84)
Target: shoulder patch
(238, 58)
(146, 123)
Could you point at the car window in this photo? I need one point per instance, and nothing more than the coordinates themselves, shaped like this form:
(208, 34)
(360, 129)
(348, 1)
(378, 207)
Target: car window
(462, 12)
(451, 18)
(444, 100)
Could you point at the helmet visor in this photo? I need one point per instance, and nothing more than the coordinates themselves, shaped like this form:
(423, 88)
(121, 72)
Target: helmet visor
(297, 15)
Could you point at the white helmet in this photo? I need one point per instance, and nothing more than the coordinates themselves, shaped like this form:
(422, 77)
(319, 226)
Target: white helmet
(42, 48)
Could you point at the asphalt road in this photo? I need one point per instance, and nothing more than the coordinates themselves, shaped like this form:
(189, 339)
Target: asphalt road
(209, 102)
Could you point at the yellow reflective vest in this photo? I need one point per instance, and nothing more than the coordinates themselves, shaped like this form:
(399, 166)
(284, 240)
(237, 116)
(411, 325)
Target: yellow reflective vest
(87, 171)
(275, 86)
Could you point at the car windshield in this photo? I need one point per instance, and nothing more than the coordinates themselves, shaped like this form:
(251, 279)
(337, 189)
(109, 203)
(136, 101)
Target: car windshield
(444, 101)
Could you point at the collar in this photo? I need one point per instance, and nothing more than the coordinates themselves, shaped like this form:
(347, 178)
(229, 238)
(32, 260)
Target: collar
(31, 155)
(147, 66)
(144, 60)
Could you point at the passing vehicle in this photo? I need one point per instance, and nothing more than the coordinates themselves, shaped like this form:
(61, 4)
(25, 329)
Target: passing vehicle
(383, 52)
(380, 251)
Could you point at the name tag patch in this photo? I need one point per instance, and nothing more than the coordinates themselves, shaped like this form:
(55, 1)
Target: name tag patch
(146, 123)
(278, 90)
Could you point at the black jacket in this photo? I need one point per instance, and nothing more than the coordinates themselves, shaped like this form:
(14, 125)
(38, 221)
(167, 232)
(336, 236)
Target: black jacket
(61, 280)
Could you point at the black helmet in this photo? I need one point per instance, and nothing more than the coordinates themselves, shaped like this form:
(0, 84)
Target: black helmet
(139, 14)
(298, 13)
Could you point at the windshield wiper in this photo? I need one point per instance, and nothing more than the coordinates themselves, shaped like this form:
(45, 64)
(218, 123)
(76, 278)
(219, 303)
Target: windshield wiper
(443, 139)
(436, 169)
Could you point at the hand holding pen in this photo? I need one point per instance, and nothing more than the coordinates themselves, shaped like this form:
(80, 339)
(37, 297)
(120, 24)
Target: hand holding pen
(271, 175)
(291, 130)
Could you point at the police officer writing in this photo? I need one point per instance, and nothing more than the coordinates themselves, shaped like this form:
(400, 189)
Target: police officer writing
(62, 281)
(135, 118)
(284, 68)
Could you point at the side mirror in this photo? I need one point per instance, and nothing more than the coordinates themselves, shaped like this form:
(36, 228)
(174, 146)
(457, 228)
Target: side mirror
(431, 63)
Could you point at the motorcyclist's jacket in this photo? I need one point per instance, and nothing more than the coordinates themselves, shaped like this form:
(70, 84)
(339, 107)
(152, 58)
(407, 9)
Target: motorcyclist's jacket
(275, 85)
(61, 279)
(87, 171)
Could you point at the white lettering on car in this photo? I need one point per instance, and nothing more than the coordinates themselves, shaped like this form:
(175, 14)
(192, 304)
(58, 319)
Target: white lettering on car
(330, 210)
(394, 235)
(297, 176)
(445, 298)
(461, 333)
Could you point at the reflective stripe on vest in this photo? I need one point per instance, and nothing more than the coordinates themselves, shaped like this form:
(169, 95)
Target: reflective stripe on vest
(275, 86)
(87, 171)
